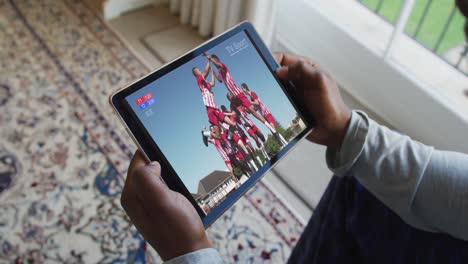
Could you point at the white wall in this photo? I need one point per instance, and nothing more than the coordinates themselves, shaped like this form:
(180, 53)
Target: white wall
(402, 101)
(114, 8)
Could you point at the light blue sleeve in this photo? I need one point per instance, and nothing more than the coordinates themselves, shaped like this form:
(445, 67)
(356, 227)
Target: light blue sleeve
(202, 256)
(427, 188)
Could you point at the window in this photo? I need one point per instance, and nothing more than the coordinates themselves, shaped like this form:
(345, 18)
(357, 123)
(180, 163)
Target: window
(382, 52)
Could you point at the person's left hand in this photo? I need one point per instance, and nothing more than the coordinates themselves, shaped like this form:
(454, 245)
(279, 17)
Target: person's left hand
(166, 219)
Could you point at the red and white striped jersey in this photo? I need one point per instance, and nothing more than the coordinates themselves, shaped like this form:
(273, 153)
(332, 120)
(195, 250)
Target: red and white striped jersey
(221, 150)
(225, 126)
(225, 75)
(207, 94)
(263, 109)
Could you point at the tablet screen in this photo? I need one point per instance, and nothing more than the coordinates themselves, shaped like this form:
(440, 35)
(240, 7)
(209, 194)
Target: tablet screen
(218, 119)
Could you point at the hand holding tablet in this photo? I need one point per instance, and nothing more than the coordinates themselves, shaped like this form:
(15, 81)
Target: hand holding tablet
(216, 119)
(316, 90)
(165, 218)
(172, 219)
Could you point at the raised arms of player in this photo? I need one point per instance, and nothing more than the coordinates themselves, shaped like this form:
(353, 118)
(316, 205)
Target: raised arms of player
(207, 69)
(212, 82)
(217, 63)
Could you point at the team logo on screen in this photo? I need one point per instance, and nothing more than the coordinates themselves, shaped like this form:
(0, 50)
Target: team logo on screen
(145, 101)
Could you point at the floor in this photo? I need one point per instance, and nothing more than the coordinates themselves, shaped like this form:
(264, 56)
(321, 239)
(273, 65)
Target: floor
(158, 37)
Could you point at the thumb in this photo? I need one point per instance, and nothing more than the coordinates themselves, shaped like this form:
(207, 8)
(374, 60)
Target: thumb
(147, 183)
(299, 71)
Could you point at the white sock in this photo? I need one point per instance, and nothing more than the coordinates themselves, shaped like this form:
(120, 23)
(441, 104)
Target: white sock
(265, 154)
(259, 160)
(250, 166)
(253, 165)
(282, 139)
(207, 133)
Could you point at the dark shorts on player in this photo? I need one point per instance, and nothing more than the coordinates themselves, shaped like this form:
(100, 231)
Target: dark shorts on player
(245, 139)
(243, 100)
(238, 156)
(270, 119)
(236, 137)
(252, 130)
(215, 116)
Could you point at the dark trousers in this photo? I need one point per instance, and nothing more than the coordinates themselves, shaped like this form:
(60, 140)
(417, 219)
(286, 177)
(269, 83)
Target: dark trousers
(350, 225)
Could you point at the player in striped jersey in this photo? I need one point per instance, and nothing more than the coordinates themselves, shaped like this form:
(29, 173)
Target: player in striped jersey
(229, 152)
(259, 106)
(249, 126)
(215, 115)
(236, 156)
(224, 151)
(224, 76)
(238, 160)
(239, 140)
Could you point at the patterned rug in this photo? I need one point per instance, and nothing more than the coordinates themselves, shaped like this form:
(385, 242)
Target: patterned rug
(63, 153)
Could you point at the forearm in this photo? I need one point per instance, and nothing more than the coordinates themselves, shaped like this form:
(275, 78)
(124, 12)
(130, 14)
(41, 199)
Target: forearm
(207, 69)
(442, 198)
(212, 82)
(393, 167)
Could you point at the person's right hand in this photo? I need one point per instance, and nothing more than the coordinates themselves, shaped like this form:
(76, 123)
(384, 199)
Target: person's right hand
(320, 95)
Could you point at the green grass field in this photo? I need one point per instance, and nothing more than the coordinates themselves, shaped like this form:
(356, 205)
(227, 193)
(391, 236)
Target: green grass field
(433, 24)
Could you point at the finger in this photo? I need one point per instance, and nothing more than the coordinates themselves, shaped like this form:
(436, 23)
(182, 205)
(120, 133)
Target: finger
(299, 71)
(125, 200)
(128, 193)
(133, 208)
(286, 59)
(148, 185)
(138, 159)
(133, 199)
(142, 214)
(278, 57)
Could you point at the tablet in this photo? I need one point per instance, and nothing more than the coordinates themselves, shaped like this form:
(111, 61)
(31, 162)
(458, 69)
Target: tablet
(217, 119)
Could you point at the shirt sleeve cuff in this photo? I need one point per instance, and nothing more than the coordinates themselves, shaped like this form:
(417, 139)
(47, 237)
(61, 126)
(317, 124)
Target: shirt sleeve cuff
(206, 255)
(342, 160)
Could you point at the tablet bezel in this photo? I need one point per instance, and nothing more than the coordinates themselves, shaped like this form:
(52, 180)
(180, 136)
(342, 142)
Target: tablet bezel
(149, 147)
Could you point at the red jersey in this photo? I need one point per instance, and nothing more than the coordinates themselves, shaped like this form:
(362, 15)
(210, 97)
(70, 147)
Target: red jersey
(222, 152)
(225, 75)
(229, 128)
(207, 94)
(263, 109)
